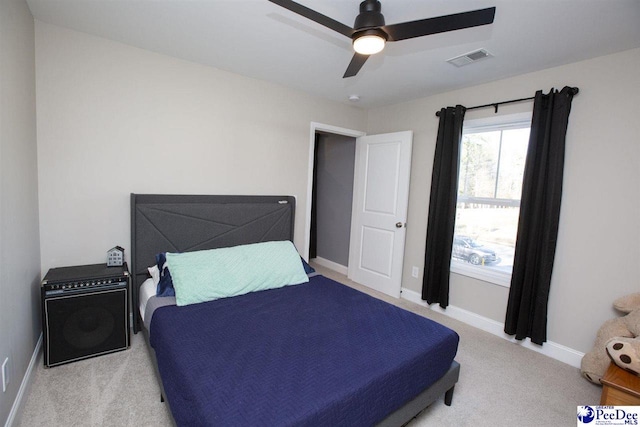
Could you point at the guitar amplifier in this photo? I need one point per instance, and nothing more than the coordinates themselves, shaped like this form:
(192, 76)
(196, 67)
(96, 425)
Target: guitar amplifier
(85, 312)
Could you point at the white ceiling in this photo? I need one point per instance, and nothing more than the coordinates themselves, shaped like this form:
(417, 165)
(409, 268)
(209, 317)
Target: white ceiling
(258, 39)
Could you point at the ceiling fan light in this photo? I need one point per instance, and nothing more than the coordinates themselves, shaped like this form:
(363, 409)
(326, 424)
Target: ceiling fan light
(369, 44)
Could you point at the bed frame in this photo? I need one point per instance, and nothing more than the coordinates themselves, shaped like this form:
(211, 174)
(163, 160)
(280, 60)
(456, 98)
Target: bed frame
(182, 223)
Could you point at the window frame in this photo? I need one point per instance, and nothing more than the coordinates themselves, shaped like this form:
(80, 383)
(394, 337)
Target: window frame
(503, 122)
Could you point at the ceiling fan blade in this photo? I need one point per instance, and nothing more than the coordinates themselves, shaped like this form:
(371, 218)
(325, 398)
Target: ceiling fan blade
(356, 63)
(315, 16)
(440, 24)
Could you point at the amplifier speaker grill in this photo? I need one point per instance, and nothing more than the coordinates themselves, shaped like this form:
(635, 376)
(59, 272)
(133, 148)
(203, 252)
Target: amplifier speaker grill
(84, 322)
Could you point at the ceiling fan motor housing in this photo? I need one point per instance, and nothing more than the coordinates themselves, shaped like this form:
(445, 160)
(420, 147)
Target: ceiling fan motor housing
(370, 15)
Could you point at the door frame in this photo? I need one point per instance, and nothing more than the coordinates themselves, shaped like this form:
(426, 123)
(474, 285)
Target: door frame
(315, 127)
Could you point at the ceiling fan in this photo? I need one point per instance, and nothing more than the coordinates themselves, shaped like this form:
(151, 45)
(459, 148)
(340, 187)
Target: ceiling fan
(369, 32)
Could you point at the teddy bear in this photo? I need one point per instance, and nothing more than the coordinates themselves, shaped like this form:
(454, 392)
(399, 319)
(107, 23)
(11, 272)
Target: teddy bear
(616, 340)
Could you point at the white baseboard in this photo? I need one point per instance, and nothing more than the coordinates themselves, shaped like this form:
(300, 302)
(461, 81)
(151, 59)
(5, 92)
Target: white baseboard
(556, 351)
(331, 265)
(24, 385)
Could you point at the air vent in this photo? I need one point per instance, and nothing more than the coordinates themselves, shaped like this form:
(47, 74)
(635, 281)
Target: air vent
(469, 58)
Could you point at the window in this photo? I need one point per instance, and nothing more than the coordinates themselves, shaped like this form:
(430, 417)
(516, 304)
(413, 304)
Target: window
(492, 159)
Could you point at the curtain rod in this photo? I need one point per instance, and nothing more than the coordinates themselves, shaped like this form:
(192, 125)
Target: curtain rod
(495, 104)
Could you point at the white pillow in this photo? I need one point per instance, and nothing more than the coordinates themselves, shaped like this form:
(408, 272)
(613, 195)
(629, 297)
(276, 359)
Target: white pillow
(155, 274)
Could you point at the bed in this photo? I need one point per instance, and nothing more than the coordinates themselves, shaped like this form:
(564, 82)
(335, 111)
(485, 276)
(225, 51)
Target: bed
(317, 353)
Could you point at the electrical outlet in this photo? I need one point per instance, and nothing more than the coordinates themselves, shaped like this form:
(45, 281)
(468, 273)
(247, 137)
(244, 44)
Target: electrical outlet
(5, 374)
(415, 272)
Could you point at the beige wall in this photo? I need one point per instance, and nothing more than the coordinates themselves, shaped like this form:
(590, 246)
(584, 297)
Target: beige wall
(113, 119)
(19, 247)
(598, 250)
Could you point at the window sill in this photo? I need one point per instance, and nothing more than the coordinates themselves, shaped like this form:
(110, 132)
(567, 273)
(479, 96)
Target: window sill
(484, 273)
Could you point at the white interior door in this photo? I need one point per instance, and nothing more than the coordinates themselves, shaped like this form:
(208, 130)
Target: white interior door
(378, 224)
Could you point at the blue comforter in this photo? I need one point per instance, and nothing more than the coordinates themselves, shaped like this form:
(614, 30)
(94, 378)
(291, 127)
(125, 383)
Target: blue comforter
(315, 354)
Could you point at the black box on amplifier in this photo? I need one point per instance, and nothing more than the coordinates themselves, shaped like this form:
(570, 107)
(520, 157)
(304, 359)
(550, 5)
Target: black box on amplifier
(85, 312)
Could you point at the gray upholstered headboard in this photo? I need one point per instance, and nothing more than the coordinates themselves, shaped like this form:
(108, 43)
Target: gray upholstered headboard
(183, 223)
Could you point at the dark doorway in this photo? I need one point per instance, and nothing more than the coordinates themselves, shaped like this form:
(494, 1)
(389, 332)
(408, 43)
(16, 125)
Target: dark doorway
(332, 197)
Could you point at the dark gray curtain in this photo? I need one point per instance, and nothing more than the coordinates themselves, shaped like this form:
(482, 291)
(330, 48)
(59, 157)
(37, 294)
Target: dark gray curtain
(442, 206)
(539, 216)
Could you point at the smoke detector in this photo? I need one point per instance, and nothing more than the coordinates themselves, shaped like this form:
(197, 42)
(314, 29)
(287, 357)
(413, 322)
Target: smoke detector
(469, 58)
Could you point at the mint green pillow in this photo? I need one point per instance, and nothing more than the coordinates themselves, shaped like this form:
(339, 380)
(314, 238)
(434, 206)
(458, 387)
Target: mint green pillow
(219, 273)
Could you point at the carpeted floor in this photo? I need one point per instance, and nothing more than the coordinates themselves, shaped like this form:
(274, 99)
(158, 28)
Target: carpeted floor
(501, 384)
(117, 389)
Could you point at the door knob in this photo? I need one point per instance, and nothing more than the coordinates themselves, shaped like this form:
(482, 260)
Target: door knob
(398, 225)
